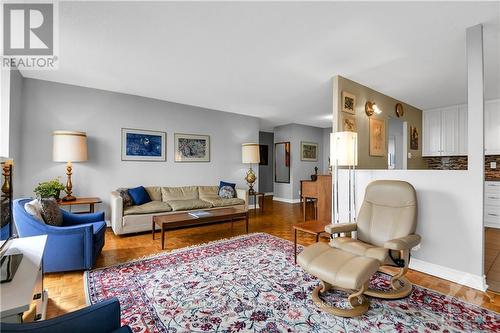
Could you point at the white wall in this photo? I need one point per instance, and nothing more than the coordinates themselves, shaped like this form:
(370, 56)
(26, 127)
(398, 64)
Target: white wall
(50, 106)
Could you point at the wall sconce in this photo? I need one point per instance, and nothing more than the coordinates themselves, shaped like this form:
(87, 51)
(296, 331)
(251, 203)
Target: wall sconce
(371, 108)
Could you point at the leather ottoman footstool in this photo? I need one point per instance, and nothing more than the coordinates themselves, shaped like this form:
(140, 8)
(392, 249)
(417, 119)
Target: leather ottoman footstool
(340, 270)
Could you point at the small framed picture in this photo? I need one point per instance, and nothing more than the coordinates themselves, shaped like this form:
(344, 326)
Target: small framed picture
(308, 151)
(349, 123)
(143, 145)
(413, 138)
(191, 147)
(348, 102)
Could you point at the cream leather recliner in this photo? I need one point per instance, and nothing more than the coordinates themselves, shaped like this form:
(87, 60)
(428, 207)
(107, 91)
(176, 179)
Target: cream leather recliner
(385, 234)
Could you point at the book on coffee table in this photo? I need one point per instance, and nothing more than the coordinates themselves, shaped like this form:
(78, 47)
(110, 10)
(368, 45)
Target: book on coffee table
(200, 213)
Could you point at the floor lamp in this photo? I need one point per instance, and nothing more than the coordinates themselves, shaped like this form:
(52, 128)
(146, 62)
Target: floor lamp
(344, 153)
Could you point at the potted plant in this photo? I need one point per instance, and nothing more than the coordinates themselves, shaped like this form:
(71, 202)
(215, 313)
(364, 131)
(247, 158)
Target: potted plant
(49, 189)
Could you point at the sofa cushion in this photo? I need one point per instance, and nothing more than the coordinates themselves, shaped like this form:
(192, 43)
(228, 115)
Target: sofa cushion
(154, 192)
(179, 193)
(188, 204)
(51, 212)
(208, 191)
(139, 195)
(359, 248)
(222, 202)
(148, 208)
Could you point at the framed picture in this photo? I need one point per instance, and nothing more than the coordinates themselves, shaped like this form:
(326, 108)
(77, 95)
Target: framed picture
(413, 138)
(308, 151)
(348, 102)
(264, 154)
(377, 137)
(191, 148)
(143, 145)
(349, 123)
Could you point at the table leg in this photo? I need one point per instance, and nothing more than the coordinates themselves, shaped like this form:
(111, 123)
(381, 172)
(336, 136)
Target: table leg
(255, 197)
(153, 229)
(304, 207)
(262, 204)
(91, 207)
(295, 245)
(162, 238)
(317, 238)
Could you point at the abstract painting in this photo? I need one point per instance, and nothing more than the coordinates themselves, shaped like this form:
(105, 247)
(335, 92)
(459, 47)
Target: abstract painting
(308, 151)
(143, 145)
(413, 138)
(191, 148)
(377, 137)
(348, 102)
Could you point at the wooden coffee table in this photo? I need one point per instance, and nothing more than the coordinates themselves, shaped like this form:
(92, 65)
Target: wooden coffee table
(313, 227)
(183, 219)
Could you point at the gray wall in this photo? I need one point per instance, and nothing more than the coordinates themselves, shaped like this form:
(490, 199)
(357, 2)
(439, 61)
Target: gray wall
(299, 170)
(15, 126)
(50, 106)
(266, 176)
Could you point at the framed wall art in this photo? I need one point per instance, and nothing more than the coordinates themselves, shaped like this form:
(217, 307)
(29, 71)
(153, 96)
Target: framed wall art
(143, 145)
(348, 102)
(308, 151)
(413, 138)
(377, 137)
(191, 147)
(349, 123)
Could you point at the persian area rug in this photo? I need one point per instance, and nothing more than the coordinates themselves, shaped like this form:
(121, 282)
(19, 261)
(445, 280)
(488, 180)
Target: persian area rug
(250, 284)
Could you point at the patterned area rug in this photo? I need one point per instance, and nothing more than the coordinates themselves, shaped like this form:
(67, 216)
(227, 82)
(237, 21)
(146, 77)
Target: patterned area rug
(250, 284)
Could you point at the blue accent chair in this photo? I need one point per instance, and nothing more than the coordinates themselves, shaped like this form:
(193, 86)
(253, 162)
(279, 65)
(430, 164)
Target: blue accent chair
(103, 317)
(73, 246)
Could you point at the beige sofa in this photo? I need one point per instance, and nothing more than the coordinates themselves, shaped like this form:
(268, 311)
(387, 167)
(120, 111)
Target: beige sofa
(168, 200)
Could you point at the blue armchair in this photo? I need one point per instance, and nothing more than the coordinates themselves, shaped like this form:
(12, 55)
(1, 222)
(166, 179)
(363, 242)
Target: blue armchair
(73, 246)
(103, 317)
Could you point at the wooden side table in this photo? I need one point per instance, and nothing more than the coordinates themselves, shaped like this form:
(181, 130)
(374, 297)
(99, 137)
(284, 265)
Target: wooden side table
(256, 196)
(91, 201)
(311, 227)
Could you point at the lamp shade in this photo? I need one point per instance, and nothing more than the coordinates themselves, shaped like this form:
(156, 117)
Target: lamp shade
(344, 148)
(250, 153)
(69, 146)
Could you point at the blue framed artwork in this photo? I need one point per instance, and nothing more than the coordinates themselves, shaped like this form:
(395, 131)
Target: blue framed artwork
(142, 145)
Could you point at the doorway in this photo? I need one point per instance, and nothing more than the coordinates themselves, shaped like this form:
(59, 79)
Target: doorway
(397, 144)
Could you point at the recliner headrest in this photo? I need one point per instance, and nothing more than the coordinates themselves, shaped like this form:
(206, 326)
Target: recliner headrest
(391, 193)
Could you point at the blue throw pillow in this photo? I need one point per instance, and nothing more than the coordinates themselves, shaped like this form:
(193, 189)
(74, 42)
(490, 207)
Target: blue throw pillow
(225, 190)
(139, 195)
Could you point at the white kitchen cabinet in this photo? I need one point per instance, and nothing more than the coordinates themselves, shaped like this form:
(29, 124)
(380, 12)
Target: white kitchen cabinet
(431, 133)
(492, 204)
(445, 131)
(492, 127)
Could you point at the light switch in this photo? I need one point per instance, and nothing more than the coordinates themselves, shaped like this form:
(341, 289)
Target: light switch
(409, 155)
(493, 165)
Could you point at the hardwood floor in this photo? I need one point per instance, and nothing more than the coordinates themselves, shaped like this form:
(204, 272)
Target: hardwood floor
(66, 290)
(492, 258)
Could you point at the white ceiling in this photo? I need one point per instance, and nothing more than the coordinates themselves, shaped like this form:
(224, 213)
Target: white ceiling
(274, 60)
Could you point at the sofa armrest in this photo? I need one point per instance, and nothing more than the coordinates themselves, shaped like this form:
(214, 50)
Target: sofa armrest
(116, 204)
(403, 243)
(75, 219)
(103, 317)
(337, 228)
(242, 194)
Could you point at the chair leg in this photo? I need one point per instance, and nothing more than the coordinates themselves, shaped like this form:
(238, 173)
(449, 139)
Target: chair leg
(357, 300)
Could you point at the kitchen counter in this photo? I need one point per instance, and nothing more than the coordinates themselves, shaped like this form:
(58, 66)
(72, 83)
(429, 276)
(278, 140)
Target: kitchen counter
(489, 179)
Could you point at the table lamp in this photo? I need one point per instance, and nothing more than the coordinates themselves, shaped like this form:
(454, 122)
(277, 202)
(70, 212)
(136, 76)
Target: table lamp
(69, 147)
(250, 155)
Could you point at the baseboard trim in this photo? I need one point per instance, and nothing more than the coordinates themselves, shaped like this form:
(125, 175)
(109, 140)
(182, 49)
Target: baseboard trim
(467, 279)
(290, 201)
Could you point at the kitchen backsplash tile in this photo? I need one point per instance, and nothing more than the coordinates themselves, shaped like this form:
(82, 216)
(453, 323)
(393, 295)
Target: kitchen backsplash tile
(492, 173)
(460, 163)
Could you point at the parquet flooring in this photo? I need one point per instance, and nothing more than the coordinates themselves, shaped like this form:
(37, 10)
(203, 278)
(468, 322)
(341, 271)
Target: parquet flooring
(66, 290)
